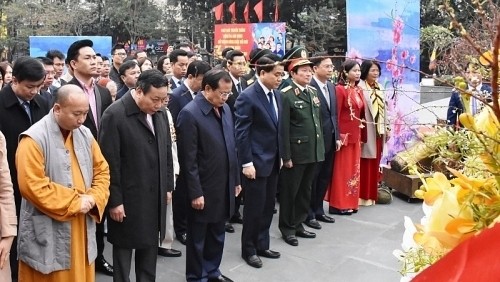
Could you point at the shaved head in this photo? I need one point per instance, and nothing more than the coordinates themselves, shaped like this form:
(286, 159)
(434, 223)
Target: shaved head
(71, 107)
(67, 92)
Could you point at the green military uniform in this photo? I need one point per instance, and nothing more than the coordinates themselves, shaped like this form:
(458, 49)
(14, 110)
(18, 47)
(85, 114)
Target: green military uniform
(304, 146)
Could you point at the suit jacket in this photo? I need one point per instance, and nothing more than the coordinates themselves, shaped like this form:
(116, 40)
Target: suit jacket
(232, 99)
(207, 156)
(13, 121)
(173, 85)
(141, 169)
(122, 91)
(456, 107)
(328, 115)
(302, 129)
(179, 98)
(258, 135)
(103, 100)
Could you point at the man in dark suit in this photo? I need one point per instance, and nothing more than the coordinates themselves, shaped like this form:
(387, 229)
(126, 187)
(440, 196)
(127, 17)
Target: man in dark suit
(20, 107)
(236, 64)
(180, 97)
(323, 69)
(303, 149)
(129, 73)
(207, 154)
(258, 139)
(179, 61)
(81, 58)
(135, 140)
(477, 88)
(119, 54)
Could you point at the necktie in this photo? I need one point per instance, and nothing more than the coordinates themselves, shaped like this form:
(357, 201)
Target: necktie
(474, 109)
(271, 105)
(26, 106)
(327, 96)
(238, 87)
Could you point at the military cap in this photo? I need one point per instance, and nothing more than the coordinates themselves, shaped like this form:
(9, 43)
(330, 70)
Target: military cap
(297, 56)
(75, 47)
(258, 53)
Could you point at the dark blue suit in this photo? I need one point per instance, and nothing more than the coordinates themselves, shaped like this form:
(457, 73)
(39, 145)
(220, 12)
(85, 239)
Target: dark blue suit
(179, 98)
(330, 136)
(455, 107)
(258, 140)
(207, 156)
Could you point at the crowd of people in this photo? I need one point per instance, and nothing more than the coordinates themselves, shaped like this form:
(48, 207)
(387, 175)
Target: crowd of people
(177, 150)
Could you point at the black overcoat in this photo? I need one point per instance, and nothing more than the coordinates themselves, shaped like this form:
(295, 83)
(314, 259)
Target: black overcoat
(141, 172)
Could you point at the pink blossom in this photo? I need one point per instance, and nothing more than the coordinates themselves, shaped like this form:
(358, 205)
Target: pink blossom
(413, 58)
(394, 51)
(405, 54)
(391, 64)
(397, 30)
(354, 54)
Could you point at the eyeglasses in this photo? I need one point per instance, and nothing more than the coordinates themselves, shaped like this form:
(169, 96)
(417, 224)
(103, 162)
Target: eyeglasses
(120, 54)
(225, 94)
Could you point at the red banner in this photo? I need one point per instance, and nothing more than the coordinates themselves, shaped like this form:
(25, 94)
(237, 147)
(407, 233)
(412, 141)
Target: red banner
(238, 36)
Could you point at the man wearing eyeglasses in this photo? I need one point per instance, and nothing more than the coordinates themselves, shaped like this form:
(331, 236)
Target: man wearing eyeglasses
(119, 54)
(135, 140)
(207, 155)
(58, 58)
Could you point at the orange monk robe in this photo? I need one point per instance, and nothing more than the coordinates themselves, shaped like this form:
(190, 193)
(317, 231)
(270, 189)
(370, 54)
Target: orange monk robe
(63, 204)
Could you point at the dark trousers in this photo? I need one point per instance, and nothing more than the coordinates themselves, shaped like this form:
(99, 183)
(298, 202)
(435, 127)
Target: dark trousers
(204, 247)
(322, 179)
(99, 237)
(179, 207)
(237, 204)
(145, 264)
(258, 211)
(295, 197)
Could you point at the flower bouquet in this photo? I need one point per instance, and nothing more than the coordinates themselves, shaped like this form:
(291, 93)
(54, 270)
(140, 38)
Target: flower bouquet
(459, 208)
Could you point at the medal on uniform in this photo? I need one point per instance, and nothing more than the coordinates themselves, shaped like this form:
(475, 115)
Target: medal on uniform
(316, 101)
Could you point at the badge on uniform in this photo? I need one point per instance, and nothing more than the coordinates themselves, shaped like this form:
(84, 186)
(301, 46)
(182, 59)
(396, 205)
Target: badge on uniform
(316, 101)
(297, 92)
(298, 104)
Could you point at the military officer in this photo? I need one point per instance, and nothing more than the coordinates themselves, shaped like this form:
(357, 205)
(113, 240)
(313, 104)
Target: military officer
(303, 149)
(297, 52)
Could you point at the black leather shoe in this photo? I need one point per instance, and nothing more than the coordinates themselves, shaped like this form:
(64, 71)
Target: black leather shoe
(181, 238)
(221, 278)
(339, 212)
(253, 261)
(236, 219)
(171, 253)
(269, 254)
(313, 223)
(102, 266)
(229, 227)
(291, 240)
(325, 218)
(305, 234)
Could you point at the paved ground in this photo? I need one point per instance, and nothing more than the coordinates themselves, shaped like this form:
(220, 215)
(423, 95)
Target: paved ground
(355, 248)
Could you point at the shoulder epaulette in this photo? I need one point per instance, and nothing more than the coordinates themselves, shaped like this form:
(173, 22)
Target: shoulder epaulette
(250, 81)
(286, 88)
(311, 88)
